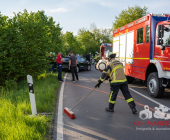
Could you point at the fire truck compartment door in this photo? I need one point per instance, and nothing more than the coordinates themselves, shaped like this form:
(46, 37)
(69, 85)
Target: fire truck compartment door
(116, 46)
(130, 47)
(122, 45)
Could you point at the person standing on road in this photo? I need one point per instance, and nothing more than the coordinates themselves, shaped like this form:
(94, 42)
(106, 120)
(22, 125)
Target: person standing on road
(73, 66)
(117, 78)
(59, 61)
(88, 57)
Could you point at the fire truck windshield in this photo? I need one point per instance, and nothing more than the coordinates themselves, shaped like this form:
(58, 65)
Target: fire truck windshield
(108, 49)
(166, 37)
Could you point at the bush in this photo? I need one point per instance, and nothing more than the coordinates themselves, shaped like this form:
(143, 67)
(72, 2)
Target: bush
(25, 40)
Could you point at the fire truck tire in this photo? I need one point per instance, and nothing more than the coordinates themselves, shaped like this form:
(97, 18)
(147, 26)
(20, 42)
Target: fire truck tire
(102, 66)
(130, 79)
(153, 85)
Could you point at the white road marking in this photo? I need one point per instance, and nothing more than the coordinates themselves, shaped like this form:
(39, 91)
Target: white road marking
(60, 112)
(148, 98)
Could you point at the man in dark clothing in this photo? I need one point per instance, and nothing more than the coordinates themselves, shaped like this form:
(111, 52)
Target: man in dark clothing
(117, 78)
(88, 57)
(73, 66)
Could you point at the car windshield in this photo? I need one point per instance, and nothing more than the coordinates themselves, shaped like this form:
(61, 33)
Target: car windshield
(82, 59)
(166, 37)
(108, 49)
(66, 58)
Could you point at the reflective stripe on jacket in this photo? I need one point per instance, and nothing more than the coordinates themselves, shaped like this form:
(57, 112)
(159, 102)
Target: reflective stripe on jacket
(115, 71)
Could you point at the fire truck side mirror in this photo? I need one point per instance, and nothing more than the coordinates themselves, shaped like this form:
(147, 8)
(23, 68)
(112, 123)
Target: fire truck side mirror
(160, 31)
(159, 41)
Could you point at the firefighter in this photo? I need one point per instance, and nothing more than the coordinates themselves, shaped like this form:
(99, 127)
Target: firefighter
(117, 78)
(97, 58)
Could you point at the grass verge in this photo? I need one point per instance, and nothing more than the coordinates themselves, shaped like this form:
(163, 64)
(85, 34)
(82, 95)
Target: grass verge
(16, 122)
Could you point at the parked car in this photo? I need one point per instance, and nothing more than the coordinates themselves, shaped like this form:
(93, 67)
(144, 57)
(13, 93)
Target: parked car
(82, 64)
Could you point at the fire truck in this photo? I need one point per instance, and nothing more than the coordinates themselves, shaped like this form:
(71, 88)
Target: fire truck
(105, 48)
(143, 46)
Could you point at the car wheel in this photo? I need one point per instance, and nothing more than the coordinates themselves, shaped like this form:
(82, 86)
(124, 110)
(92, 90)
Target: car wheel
(77, 69)
(153, 85)
(88, 67)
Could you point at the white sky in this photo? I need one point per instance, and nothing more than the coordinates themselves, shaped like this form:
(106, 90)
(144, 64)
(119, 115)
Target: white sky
(75, 14)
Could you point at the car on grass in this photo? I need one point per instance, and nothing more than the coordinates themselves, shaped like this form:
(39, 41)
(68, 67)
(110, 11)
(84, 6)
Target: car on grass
(82, 64)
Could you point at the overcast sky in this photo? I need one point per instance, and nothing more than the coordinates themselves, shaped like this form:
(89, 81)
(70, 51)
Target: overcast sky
(75, 14)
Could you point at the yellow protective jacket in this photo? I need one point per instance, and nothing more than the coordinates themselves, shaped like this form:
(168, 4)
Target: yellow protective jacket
(115, 71)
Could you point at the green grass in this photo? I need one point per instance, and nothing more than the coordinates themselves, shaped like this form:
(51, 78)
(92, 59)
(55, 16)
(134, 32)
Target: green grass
(16, 122)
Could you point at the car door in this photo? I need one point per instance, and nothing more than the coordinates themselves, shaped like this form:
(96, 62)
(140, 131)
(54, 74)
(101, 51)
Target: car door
(84, 63)
(79, 63)
(65, 63)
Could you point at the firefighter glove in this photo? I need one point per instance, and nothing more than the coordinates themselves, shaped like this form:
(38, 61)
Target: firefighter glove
(98, 84)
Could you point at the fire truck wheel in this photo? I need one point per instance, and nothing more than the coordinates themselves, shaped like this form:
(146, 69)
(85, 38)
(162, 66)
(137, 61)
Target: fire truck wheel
(102, 66)
(153, 85)
(130, 79)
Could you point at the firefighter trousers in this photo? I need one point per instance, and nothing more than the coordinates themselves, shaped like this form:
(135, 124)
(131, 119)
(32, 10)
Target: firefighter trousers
(125, 92)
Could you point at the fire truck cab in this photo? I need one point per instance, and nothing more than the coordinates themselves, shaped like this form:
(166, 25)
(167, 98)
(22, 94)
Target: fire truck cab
(143, 46)
(105, 48)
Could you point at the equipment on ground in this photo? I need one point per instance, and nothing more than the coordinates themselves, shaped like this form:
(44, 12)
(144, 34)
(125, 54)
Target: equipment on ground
(68, 111)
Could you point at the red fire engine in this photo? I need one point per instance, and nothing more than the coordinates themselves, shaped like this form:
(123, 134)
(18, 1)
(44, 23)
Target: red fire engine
(143, 46)
(105, 48)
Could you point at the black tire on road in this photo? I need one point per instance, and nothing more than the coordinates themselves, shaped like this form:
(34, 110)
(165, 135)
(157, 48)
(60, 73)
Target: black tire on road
(89, 67)
(153, 85)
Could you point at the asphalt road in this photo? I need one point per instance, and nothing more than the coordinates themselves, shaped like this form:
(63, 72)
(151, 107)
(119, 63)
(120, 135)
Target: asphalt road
(93, 122)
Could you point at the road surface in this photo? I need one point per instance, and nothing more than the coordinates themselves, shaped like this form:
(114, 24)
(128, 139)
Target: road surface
(94, 123)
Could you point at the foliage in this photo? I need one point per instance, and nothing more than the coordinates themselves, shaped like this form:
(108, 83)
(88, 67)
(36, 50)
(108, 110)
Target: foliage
(70, 42)
(128, 15)
(88, 40)
(102, 35)
(15, 120)
(25, 39)
(93, 38)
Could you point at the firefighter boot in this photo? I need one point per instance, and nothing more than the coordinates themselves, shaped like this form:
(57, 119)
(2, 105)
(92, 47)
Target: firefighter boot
(134, 110)
(109, 109)
(132, 106)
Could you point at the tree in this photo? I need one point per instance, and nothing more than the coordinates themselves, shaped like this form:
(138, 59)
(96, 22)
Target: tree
(88, 40)
(129, 15)
(102, 35)
(24, 41)
(71, 42)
